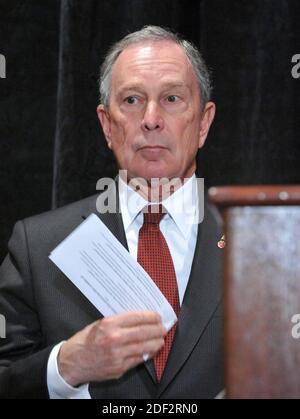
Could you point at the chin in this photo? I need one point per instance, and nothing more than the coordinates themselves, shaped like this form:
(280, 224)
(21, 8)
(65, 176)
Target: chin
(155, 170)
(152, 174)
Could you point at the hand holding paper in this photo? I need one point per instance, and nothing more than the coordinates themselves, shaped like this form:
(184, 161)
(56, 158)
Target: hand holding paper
(96, 262)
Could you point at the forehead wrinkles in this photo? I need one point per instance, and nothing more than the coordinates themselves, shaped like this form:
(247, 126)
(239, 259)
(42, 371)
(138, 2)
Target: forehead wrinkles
(165, 57)
(154, 62)
(148, 68)
(151, 77)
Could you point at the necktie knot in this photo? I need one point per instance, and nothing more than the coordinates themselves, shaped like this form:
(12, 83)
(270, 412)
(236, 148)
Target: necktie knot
(153, 214)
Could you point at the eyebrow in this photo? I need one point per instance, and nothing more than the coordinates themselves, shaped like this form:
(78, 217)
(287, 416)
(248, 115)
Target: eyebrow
(130, 87)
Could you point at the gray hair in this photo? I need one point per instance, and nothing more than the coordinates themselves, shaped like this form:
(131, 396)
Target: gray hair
(155, 34)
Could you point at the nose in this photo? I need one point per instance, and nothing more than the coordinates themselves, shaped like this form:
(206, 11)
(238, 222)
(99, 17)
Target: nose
(152, 119)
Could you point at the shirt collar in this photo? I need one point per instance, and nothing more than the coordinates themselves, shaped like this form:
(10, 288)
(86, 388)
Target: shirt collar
(181, 206)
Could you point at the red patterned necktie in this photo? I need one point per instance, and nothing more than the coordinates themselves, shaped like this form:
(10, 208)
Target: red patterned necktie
(154, 255)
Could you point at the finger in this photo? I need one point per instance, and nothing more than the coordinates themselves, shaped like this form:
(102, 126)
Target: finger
(133, 362)
(138, 349)
(142, 333)
(134, 318)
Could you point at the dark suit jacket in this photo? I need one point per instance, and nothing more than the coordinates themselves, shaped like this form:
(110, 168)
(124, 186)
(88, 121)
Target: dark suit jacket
(42, 307)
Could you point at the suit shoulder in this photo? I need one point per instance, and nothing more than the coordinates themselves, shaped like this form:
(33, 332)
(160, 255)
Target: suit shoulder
(62, 218)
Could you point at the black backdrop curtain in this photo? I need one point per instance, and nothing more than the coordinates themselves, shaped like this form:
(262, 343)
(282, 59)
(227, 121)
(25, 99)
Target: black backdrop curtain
(52, 149)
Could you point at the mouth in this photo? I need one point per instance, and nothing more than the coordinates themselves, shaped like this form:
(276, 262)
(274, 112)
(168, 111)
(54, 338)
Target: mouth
(153, 147)
(153, 152)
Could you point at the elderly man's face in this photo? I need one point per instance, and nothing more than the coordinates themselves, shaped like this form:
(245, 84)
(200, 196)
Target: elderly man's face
(154, 124)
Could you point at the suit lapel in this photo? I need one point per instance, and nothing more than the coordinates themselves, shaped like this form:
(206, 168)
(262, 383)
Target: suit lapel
(202, 296)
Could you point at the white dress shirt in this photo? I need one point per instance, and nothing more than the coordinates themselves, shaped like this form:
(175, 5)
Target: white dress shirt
(180, 231)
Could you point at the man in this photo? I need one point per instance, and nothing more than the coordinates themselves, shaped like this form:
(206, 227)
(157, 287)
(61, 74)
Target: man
(155, 114)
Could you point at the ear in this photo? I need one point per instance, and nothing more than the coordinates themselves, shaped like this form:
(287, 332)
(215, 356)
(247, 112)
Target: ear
(104, 119)
(207, 118)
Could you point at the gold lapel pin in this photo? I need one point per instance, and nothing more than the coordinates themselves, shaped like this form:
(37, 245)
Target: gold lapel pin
(222, 242)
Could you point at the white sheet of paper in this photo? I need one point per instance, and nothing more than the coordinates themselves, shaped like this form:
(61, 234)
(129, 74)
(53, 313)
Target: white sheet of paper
(105, 272)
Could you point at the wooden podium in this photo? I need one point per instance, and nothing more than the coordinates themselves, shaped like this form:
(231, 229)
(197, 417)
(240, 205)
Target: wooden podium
(262, 290)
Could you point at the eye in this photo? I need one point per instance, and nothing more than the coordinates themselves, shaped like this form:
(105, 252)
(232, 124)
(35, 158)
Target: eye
(131, 100)
(172, 98)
